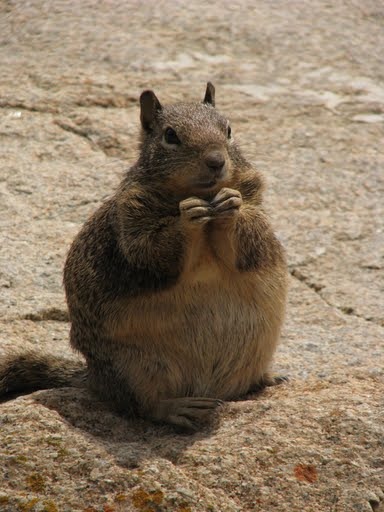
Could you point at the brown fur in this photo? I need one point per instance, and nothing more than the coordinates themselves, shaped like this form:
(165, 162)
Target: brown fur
(176, 291)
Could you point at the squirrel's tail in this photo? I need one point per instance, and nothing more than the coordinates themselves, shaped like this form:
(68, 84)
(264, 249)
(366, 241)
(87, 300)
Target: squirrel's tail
(30, 371)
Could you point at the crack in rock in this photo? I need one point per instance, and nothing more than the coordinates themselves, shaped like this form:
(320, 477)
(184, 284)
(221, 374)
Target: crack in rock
(115, 100)
(53, 106)
(44, 108)
(70, 127)
(108, 144)
(346, 310)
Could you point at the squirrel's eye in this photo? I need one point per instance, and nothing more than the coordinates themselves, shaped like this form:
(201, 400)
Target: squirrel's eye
(229, 131)
(171, 137)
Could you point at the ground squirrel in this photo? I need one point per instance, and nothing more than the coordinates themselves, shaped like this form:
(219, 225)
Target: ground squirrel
(176, 286)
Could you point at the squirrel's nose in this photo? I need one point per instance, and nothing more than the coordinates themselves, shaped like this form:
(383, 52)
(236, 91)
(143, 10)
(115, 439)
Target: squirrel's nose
(215, 161)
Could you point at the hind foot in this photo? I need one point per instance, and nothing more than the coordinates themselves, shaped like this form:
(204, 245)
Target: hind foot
(187, 413)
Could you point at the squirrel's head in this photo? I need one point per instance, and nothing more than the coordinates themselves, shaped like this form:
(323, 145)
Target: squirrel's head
(188, 146)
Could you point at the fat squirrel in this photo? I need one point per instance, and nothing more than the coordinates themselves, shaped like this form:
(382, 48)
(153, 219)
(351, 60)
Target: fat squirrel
(176, 286)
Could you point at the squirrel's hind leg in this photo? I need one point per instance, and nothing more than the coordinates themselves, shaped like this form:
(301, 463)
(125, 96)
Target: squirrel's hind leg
(138, 387)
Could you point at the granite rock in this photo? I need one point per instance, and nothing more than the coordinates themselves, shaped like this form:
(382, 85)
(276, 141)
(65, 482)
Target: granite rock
(303, 85)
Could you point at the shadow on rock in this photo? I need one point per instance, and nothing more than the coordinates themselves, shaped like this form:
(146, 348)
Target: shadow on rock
(131, 441)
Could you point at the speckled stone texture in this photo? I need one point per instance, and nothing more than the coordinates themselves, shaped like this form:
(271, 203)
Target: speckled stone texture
(303, 84)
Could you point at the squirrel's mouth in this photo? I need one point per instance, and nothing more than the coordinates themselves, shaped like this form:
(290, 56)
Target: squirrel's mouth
(207, 184)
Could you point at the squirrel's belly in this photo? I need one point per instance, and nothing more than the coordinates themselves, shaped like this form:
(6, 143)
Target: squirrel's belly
(218, 336)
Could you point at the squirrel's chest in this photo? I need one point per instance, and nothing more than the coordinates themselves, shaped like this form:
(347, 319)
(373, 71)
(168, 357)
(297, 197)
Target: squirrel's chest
(206, 270)
(201, 265)
(207, 300)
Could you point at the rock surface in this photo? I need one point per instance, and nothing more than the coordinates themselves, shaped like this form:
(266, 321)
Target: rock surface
(303, 85)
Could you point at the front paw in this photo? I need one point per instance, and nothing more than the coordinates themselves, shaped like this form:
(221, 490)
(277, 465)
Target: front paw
(195, 210)
(226, 203)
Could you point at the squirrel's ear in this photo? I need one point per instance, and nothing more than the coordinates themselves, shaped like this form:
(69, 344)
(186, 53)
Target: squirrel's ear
(210, 94)
(149, 107)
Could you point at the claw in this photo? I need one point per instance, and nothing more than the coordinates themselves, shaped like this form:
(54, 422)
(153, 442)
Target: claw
(195, 209)
(187, 412)
(226, 202)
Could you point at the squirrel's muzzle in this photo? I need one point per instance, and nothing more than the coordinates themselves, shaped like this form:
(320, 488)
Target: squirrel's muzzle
(215, 162)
